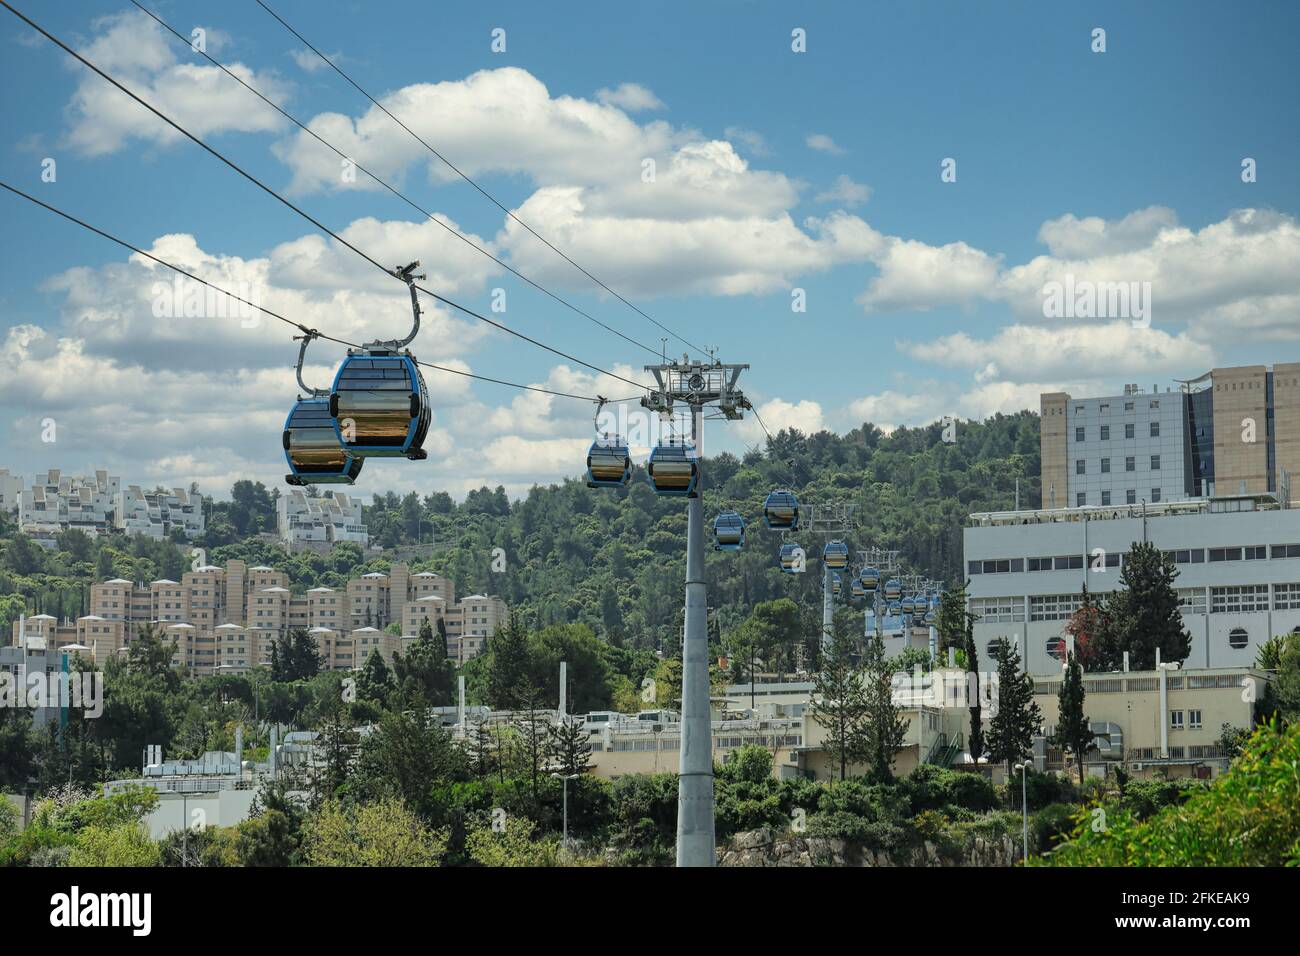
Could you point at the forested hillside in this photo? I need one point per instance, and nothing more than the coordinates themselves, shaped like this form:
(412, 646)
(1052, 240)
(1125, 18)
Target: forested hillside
(612, 559)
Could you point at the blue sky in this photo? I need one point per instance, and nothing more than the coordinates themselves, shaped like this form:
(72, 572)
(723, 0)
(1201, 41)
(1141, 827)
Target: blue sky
(923, 298)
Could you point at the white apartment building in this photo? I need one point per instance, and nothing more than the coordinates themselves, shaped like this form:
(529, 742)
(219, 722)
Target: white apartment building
(11, 489)
(1238, 560)
(156, 513)
(56, 502)
(333, 517)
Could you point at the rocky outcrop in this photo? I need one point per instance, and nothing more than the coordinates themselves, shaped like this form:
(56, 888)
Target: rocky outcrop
(766, 848)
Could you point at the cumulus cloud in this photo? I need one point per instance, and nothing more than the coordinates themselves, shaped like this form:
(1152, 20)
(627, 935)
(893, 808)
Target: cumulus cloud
(846, 192)
(1025, 350)
(135, 50)
(823, 144)
(917, 276)
(631, 97)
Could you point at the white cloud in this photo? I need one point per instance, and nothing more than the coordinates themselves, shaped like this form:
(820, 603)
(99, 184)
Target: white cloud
(752, 140)
(631, 97)
(135, 50)
(845, 191)
(309, 62)
(914, 275)
(779, 414)
(1070, 237)
(823, 144)
(1023, 351)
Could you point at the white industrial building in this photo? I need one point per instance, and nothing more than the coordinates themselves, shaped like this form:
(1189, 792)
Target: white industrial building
(1238, 561)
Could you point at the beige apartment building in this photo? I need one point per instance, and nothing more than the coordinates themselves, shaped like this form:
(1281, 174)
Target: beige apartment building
(227, 619)
(1231, 431)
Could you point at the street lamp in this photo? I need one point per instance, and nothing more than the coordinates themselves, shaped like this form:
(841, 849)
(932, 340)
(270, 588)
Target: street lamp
(566, 778)
(1023, 770)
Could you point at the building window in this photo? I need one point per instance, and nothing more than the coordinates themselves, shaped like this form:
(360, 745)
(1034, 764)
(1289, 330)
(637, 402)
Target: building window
(1255, 552)
(1053, 607)
(999, 610)
(1128, 406)
(1194, 719)
(1155, 462)
(1155, 494)
(1238, 638)
(1175, 720)
(1056, 648)
(1225, 554)
(1130, 463)
(1105, 432)
(1286, 550)
(1081, 499)
(1286, 597)
(1191, 600)
(1131, 496)
(1128, 430)
(1105, 498)
(1155, 429)
(1080, 467)
(1105, 466)
(1239, 599)
(1078, 434)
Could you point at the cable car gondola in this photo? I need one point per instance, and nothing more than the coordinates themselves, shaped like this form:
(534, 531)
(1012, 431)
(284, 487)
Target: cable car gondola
(929, 617)
(835, 585)
(893, 589)
(379, 401)
(856, 590)
(836, 555)
(908, 606)
(792, 558)
(312, 449)
(310, 446)
(609, 465)
(781, 511)
(673, 470)
(870, 579)
(728, 532)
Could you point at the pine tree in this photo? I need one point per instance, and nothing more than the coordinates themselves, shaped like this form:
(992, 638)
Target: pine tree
(1143, 613)
(569, 746)
(840, 704)
(884, 730)
(1017, 719)
(975, 745)
(375, 682)
(1073, 732)
(508, 667)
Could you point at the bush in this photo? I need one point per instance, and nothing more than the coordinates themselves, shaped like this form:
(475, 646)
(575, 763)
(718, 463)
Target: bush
(1249, 816)
(1042, 789)
(935, 788)
(127, 844)
(1052, 825)
(1144, 798)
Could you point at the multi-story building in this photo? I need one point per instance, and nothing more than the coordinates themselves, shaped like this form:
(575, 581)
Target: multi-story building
(304, 520)
(229, 618)
(156, 514)
(1238, 562)
(1230, 431)
(11, 490)
(57, 502)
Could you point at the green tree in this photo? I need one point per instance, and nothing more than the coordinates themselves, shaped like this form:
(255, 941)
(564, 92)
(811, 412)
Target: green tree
(1073, 729)
(569, 747)
(384, 833)
(885, 729)
(975, 744)
(1017, 718)
(509, 666)
(840, 705)
(1142, 614)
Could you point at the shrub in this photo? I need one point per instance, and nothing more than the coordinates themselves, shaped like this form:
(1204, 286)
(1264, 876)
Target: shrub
(1051, 825)
(1249, 816)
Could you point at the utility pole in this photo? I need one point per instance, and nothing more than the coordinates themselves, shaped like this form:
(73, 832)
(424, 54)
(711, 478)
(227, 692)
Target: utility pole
(699, 386)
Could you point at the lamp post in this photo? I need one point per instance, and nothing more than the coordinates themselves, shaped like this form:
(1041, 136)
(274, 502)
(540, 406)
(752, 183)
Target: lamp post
(1023, 769)
(566, 778)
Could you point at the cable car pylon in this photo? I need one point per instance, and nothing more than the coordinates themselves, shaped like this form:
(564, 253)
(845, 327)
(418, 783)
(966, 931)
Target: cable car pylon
(703, 387)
